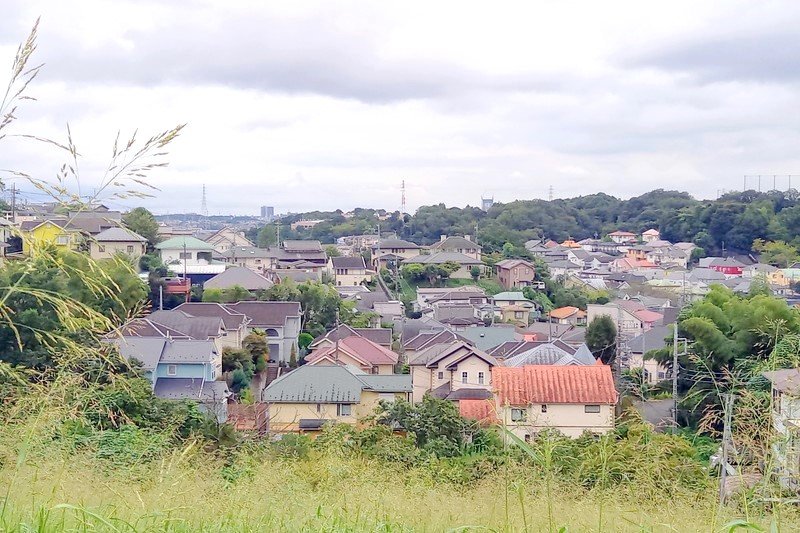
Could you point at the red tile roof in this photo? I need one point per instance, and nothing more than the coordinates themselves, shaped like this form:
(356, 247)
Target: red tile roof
(481, 410)
(541, 384)
(566, 312)
(360, 348)
(648, 316)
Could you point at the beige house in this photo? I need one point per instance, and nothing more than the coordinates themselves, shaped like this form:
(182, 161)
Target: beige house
(357, 352)
(572, 399)
(117, 241)
(256, 259)
(458, 245)
(349, 271)
(306, 399)
(453, 371)
(390, 252)
(227, 238)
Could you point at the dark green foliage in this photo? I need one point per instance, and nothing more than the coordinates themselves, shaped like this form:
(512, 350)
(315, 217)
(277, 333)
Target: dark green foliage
(601, 337)
(304, 340)
(142, 221)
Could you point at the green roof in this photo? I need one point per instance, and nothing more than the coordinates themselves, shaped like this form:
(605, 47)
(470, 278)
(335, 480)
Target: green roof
(511, 296)
(191, 243)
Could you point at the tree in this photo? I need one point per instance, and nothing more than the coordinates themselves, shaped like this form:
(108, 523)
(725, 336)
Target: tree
(267, 236)
(332, 251)
(256, 345)
(413, 272)
(601, 338)
(777, 253)
(475, 272)
(304, 340)
(239, 363)
(142, 221)
(212, 295)
(293, 357)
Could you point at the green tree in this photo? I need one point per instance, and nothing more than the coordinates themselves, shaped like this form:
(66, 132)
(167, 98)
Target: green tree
(777, 253)
(332, 251)
(304, 340)
(601, 338)
(475, 272)
(413, 272)
(293, 357)
(255, 344)
(142, 221)
(213, 295)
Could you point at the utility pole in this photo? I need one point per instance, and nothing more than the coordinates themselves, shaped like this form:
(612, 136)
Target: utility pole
(336, 349)
(160, 297)
(726, 438)
(14, 202)
(675, 378)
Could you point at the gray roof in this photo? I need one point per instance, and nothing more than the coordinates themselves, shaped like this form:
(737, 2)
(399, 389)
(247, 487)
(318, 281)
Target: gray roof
(652, 339)
(298, 276)
(487, 338)
(189, 351)
(298, 245)
(455, 243)
(552, 353)
(190, 389)
(265, 314)
(354, 262)
(197, 327)
(439, 258)
(396, 244)
(231, 319)
(238, 276)
(118, 235)
(787, 380)
(382, 336)
(147, 350)
(330, 384)
(247, 251)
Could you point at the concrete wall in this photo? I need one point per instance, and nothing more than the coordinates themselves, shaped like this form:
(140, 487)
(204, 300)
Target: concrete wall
(569, 419)
(108, 250)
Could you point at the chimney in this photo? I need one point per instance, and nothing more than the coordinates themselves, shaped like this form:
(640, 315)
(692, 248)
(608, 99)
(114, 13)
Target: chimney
(442, 238)
(468, 237)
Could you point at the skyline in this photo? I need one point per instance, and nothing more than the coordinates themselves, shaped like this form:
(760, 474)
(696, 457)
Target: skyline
(318, 107)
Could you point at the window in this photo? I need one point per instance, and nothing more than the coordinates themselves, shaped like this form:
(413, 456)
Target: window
(319, 408)
(172, 370)
(441, 375)
(518, 415)
(527, 437)
(213, 373)
(591, 408)
(344, 409)
(374, 369)
(101, 248)
(544, 408)
(464, 377)
(62, 240)
(480, 378)
(130, 248)
(187, 255)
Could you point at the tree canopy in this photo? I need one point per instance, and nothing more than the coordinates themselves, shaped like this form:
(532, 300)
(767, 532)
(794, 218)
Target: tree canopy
(142, 221)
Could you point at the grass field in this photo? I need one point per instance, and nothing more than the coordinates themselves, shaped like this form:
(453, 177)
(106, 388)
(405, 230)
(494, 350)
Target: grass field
(190, 491)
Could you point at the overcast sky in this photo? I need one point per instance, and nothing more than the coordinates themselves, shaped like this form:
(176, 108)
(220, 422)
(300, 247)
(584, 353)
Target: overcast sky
(307, 106)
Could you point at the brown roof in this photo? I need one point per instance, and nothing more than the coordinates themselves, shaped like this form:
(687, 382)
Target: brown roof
(382, 336)
(266, 313)
(543, 384)
(787, 380)
(362, 349)
(231, 319)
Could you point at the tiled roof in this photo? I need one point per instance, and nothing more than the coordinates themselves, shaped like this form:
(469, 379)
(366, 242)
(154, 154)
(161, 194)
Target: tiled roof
(244, 252)
(266, 313)
(197, 327)
(382, 336)
(238, 276)
(189, 351)
(181, 241)
(439, 258)
(554, 385)
(565, 312)
(787, 380)
(456, 243)
(354, 262)
(360, 348)
(482, 411)
(118, 235)
(231, 319)
(302, 246)
(396, 244)
(191, 389)
(552, 353)
(648, 316)
(330, 384)
(511, 263)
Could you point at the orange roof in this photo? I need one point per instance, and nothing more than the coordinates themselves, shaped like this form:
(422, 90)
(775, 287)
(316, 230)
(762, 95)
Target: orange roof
(569, 243)
(566, 312)
(543, 384)
(651, 232)
(646, 315)
(481, 410)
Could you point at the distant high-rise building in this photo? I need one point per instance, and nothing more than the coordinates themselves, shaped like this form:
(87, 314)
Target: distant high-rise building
(487, 203)
(267, 212)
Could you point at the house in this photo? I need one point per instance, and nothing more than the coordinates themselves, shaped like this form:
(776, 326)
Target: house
(545, 352)
(256, 259)
(428, 297)
(466, 262)
(280, 321)
(507, 298)
(639, 346)
(516, 314)
(380, 336)
(427, 338)
(631, 318)
(622, 237)
(515, 273)
(786, 425)
(570, 399)
(487, 338)
(451, 371)
(725, 265)
(238, 277)
(235, 324)
(117, 241)
(306, 399)
(651, 235)
(349, 270)
(358, 352)
(180, 369)
(43, 232)
(388, 253)
(304, 224)
(211, 328)
(562, 268)
(773, 275)
(190, 255)
(458, 245)
(226, 238)
(568, 315)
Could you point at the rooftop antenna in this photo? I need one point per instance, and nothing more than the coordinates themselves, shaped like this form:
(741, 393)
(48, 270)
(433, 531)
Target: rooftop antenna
(204, 204)
(403, 198)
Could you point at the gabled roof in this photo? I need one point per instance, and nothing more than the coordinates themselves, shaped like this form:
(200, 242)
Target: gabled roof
(652, 339)
(238, 276)
(426, 339)
(456, 243)
(330, 384)
(651, 232)
(382, 336)
(592, 384)
(264, 314)
(142, 327)
(510, 296)
(621, 234)
(566, 312)
(396, 244)
(511, 263)
(245, 252)
(231, 319)
(360, 348)
(118, 235)
(189, 351)
(191, 389)
(787, 380)
(302, 246)
(440, 258)
(181, 241)
(354, 262)
(200, 328)
(552, 353)
(146, 350)
(432, 357)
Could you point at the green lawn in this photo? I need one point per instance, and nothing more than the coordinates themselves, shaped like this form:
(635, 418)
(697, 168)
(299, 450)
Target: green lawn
(409, 290)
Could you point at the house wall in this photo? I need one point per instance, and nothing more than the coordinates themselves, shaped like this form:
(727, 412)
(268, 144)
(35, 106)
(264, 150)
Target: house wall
(170, 255)
(654, 370)
(351, 277)
(217, 409)
(206, 371)
(285, 417)
(422, 380)
(471, 366)
(518, 276)
(569, 419)
(46, 234)
(108, 250)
